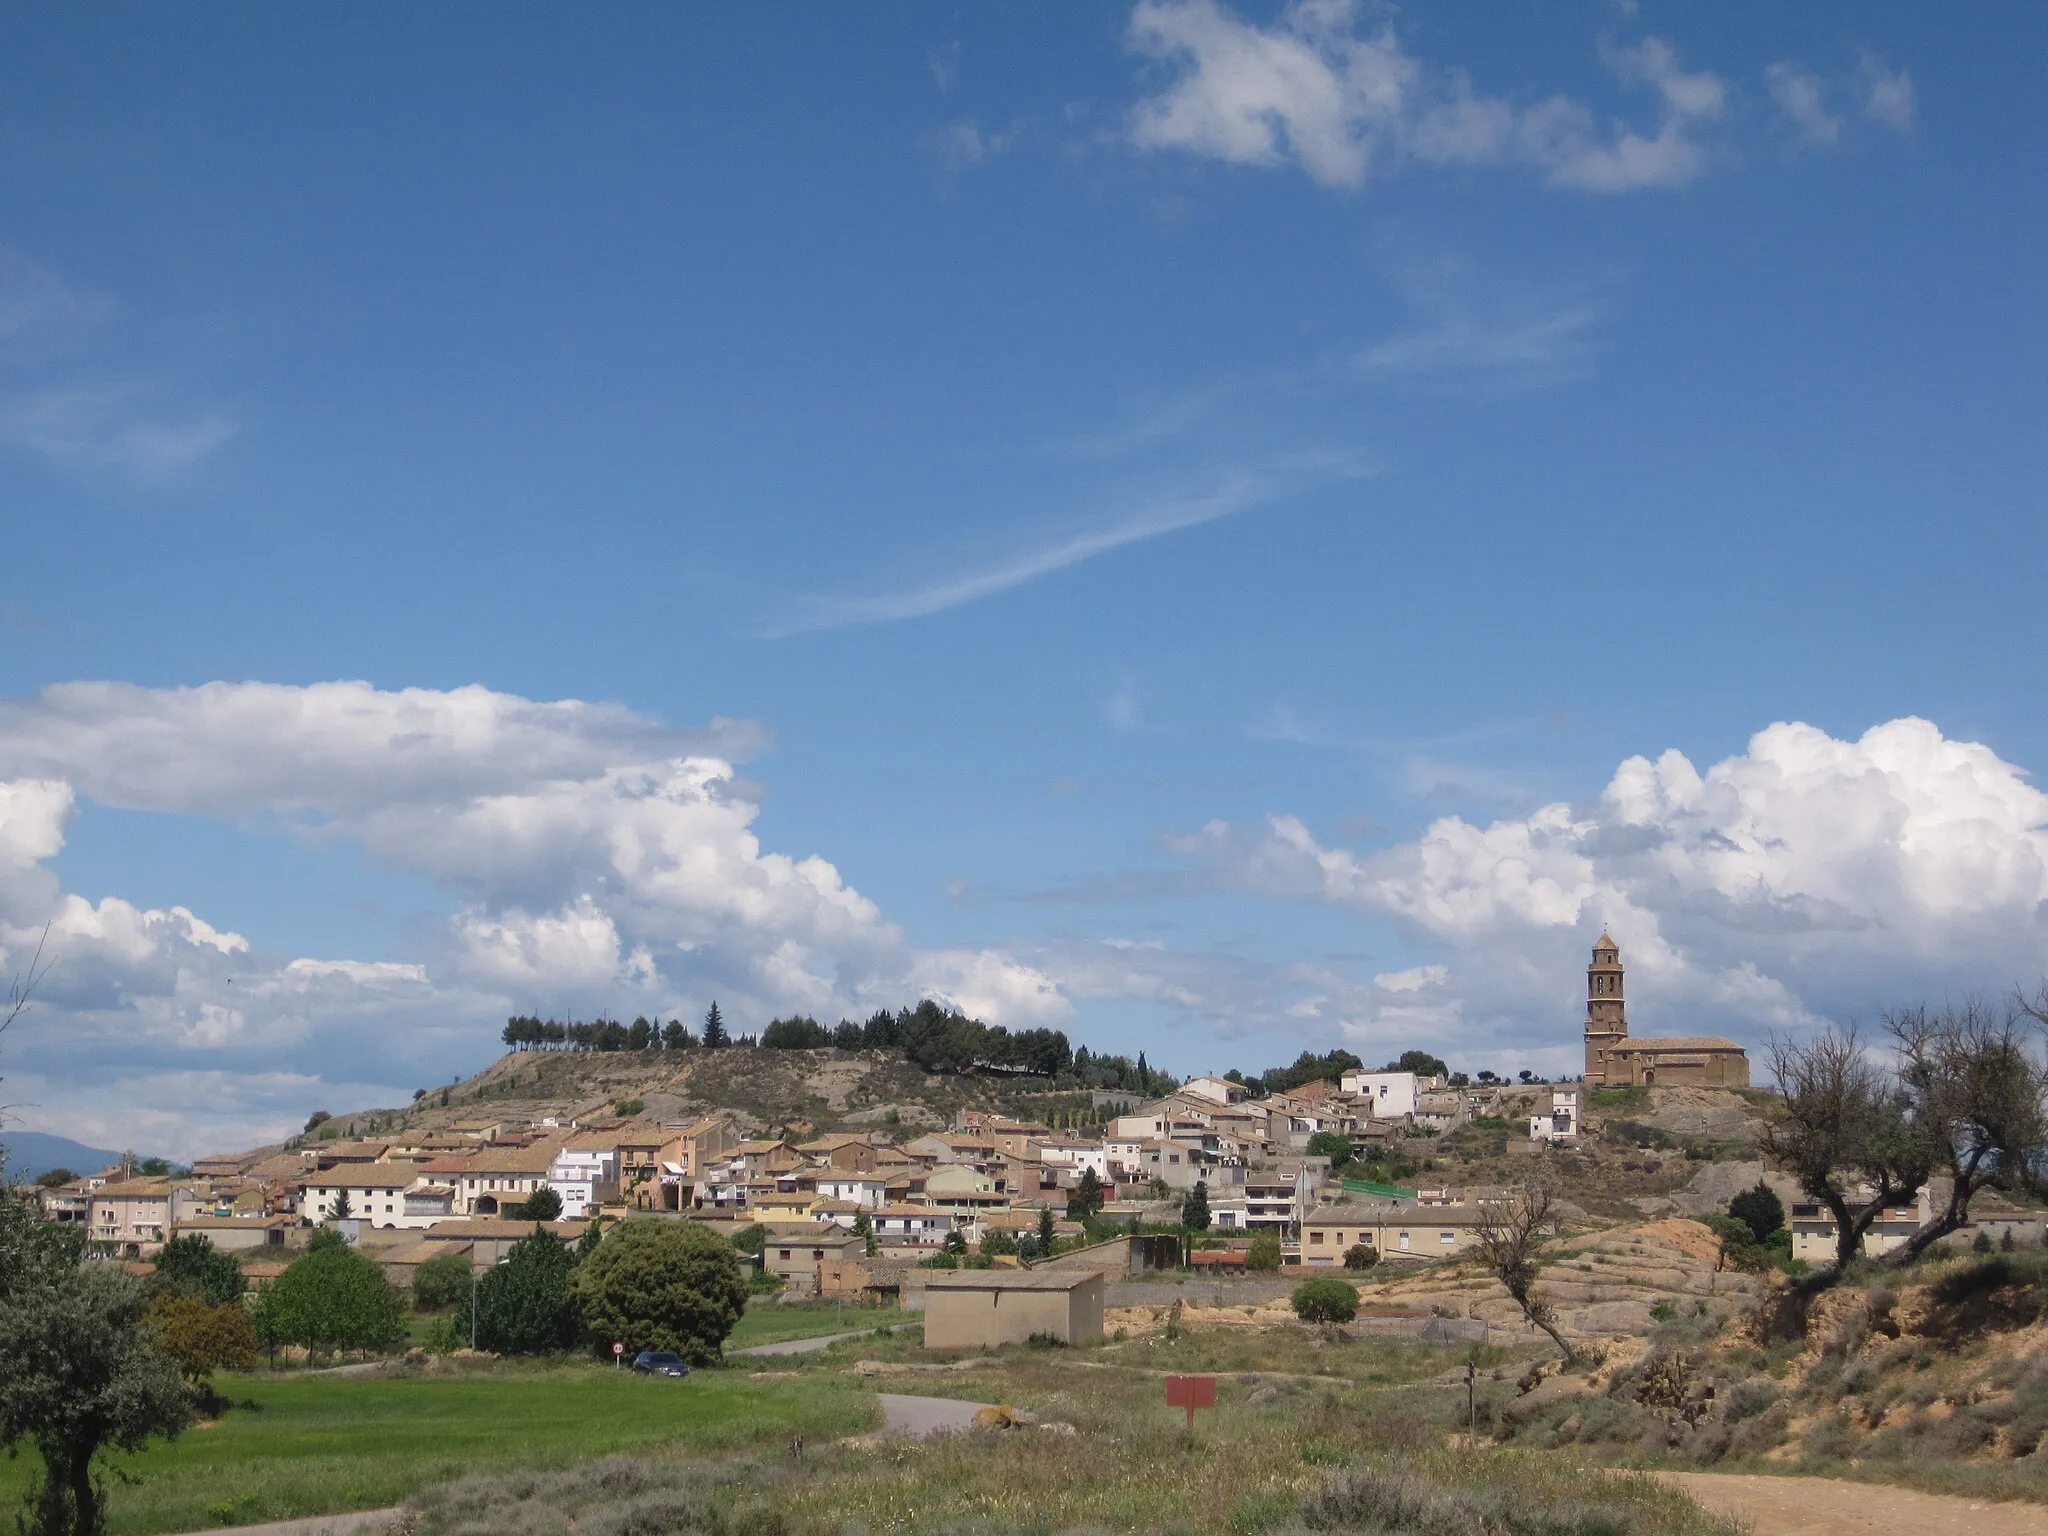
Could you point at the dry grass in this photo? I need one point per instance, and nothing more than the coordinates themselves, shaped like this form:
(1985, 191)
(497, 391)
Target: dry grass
(1277, 1454)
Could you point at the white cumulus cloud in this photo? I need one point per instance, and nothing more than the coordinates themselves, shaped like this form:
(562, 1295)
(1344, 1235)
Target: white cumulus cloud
(1805, 876)
(599, 860)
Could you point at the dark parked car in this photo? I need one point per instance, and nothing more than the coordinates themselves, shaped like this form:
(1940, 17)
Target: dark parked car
(659, 1362)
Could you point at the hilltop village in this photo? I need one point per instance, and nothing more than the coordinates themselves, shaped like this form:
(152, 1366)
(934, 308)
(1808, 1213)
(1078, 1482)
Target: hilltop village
(1316, 1161)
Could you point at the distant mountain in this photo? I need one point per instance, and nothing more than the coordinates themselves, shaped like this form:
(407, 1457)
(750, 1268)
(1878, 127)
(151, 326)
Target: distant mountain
(32, 1152)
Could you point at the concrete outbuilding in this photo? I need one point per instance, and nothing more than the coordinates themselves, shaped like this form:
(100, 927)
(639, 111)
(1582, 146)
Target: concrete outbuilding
(983, 1309)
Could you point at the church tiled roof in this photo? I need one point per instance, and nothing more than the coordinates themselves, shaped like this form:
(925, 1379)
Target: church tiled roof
(1673, 1043)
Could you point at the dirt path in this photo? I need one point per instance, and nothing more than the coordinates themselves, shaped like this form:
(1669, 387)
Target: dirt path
(1823, 1506)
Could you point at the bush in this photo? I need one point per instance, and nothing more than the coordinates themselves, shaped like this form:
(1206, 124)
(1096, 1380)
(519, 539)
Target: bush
(1759, 1209)
(525, 1306)
(189, 1265)
(1334, 1145)
(440, 1283)
(542, 1205)
(1326, 1299)
(332, 1298)
(670, 1285)
(203, 1336)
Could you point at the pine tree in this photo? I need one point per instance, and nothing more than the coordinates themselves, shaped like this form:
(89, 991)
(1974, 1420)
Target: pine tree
(715, 1037)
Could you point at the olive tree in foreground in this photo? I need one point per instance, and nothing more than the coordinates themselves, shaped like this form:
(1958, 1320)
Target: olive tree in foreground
(79, 1374)
(653, 1284)
(1509, 1233)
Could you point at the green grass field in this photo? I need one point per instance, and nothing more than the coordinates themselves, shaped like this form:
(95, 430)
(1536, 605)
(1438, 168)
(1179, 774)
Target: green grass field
(318, 1444)
(768, 1323)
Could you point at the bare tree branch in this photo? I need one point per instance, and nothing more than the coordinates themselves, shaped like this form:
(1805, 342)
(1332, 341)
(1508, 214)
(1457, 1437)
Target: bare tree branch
(1976, 1087)
(1509, 1233)
(1846, 1134)
(22, 987)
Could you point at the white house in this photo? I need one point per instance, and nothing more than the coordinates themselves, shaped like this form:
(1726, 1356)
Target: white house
(1391, 1094)
(920, 1226)
(1813, 1229)
(1078, 1156)
(580, 1166)
(1561, 1121)
(863, 1189)
(376, 1195)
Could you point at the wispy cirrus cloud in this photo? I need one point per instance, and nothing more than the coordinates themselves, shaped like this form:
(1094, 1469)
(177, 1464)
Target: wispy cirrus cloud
(1233, 496)
(1319, 90)
(80, 411)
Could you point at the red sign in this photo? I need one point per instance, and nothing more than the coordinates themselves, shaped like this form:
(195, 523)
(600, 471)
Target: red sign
(1191, 1392)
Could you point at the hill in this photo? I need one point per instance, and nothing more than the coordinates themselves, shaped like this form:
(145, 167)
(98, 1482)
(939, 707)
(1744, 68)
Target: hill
(32, 1152)
(812, 1090)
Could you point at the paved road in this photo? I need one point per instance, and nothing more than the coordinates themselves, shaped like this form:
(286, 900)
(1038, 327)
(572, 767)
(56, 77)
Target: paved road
(361, 1522)
(1826, 1506)
(812, 1346)
(918, 1417)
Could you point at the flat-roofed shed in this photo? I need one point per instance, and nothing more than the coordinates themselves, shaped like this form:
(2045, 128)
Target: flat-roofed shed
(985, 1309)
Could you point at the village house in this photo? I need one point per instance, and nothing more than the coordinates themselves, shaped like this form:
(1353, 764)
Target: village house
(913, 1226)
(794, 1258)
(1402, 1231)
(585, 1171)
(1559, 1123)
(234, 1234)
(1389, 1095)
(136, 1215)
(1218, 1090)
(500, 1177)
(375, 1191)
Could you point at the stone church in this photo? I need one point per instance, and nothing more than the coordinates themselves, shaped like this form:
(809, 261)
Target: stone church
(1616, 1059)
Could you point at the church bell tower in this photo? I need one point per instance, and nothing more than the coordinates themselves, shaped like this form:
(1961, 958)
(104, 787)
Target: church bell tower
(1606, 1011)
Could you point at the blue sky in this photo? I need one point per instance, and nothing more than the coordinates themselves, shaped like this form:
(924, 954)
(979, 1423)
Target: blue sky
(1161, 500)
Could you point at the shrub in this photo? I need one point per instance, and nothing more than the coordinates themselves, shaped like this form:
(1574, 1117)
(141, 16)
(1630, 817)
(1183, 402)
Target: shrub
(668, 1285)
(203, 1336)
(1759, 1209)
(441, 1282)
(189, 1265)
(1326, 1299)
(524, 1306)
